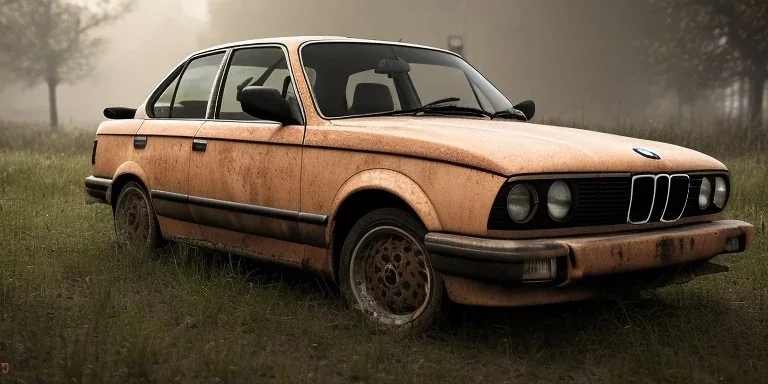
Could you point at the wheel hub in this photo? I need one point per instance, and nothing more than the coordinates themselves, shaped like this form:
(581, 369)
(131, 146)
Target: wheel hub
(390, 274)
(132, 219)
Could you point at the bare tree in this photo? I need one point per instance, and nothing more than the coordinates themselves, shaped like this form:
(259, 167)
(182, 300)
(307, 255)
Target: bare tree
(710, 43)
(53, 41)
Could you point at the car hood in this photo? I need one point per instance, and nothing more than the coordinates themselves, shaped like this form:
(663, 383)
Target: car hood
(507, 147)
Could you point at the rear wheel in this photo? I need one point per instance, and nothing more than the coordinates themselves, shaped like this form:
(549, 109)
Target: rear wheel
(385, 272)
(136, 225)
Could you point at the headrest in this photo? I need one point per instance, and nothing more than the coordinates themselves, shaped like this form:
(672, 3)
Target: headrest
(372, 98)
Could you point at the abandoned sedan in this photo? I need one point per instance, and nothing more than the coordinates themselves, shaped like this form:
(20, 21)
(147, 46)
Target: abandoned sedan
(400, 172)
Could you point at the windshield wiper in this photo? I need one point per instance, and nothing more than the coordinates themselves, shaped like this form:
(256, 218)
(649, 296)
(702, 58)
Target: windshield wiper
(441, 107)
(511, 113)
(441, 101)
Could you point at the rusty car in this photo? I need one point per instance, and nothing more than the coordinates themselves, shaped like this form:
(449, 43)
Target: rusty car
(402, 174)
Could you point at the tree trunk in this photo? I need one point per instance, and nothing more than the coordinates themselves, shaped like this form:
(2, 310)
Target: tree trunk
(756, 92)
(679, 107)
(52, 105)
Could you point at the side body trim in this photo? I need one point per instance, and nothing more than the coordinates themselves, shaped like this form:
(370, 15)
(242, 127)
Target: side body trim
(244, 218)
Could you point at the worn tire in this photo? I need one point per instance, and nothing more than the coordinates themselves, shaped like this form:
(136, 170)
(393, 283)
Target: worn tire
(136, 224)
(394, 239)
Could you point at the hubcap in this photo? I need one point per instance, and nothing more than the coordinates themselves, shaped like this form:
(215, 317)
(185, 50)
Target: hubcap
(132, 220)
(390, 275)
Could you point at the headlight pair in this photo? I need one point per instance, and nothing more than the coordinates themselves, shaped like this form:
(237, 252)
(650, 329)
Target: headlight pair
(523, 201)
(718, 197)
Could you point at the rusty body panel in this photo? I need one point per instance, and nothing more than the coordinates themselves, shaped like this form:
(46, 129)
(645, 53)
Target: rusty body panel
(330, 176)
(256, 164)
(275, 192)
(509, 147)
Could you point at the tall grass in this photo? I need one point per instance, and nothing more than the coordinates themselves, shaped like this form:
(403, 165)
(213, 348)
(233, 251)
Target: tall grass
(75, 308)
(38, 138)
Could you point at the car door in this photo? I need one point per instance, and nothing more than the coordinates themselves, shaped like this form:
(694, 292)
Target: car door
(164, 142)
(245, 172)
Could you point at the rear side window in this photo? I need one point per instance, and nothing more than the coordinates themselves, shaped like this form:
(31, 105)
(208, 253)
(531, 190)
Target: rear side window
(162, 107)
(187, 96)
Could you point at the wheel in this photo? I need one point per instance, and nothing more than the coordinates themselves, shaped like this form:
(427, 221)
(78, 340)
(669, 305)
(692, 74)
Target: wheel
(385, 272)
(135, 220)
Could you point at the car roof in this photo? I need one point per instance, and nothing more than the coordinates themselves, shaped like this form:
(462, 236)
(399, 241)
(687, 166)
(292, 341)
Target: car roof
(296, 41)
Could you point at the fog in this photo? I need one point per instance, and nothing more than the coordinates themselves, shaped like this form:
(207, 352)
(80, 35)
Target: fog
(140, 50)
(577, 59)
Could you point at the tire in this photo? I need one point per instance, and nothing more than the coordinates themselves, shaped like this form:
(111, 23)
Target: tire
(385, 272)
(136, 224)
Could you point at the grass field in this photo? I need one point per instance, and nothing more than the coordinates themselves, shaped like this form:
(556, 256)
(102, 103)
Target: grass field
(74, 308)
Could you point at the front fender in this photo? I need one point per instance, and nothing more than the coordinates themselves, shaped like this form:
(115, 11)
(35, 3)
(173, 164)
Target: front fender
(395, 183)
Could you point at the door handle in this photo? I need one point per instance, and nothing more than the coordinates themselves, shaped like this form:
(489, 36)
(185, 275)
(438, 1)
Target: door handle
(199, 145)
(139, 142)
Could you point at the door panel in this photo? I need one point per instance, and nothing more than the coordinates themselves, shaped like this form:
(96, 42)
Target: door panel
(246, 182)
(165, 159)
(164, 143)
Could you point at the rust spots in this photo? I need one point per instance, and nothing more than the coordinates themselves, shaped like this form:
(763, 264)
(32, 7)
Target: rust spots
(618, 254)
(665, 249)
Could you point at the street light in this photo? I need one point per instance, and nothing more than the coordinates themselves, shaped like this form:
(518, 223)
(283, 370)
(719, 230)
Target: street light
(456, 44)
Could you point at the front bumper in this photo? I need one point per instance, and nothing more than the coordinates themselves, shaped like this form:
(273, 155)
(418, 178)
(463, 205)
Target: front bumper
(576, 258)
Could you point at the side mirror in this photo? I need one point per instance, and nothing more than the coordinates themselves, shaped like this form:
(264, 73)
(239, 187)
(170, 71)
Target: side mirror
(528, 108)
(268, 104)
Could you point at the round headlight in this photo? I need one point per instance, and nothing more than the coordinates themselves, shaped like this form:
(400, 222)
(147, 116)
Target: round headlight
(521, 202)
(721, 191)
(559, 200)
(704, 193)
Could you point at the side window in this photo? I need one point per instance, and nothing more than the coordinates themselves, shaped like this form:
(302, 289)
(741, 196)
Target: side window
(435, 82)
(194, 89)
(162, 106)
(190, 98)
(370, 77)
(255, 67)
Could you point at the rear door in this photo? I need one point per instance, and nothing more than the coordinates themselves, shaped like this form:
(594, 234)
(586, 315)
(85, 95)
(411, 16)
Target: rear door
(164, 143)
(245, 174)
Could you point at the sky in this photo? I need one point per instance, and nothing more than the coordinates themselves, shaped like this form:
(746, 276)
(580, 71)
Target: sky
(195, 8)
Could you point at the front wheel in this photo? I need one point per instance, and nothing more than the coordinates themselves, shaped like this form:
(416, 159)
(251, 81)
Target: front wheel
(136, 225)
(386, 274)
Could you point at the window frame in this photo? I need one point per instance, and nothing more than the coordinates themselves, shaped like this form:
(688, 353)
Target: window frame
(179, 72)
(215, 107)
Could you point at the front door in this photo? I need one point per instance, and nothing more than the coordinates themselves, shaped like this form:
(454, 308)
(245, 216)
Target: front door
(245, 172)
(164, 143)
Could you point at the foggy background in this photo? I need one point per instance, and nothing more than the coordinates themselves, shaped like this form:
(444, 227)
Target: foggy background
(580, 60)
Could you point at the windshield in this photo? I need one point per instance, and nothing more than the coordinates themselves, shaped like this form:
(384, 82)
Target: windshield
(353, 79)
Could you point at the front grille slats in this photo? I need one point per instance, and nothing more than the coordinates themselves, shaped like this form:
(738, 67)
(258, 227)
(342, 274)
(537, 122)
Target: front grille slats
(641, 205)
(678, 197)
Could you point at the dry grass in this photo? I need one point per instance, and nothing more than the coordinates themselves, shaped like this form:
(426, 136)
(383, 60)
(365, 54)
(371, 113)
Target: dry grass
(74, 308)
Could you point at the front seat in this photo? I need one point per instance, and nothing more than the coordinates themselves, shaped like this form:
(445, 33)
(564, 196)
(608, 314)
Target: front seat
(371, 98)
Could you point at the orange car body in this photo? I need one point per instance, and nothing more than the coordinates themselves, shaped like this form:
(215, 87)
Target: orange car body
(284, 193)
